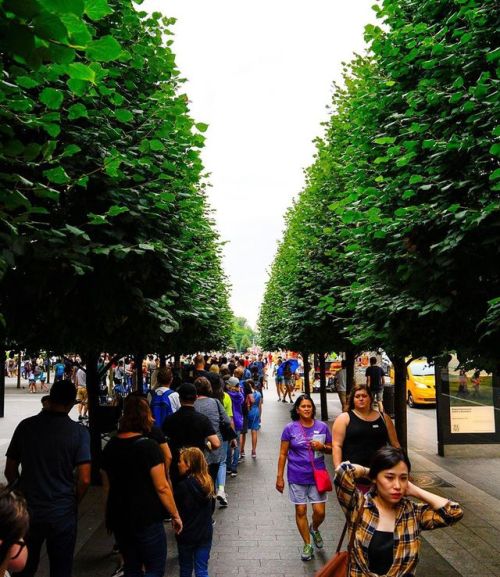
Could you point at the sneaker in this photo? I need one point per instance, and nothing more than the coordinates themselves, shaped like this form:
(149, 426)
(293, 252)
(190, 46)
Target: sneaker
(283, 401)
(241, 457)
(307, 552)
(80, 417)
(317, 538)
(233, 474)
(254, 455)
(118, 572)
(222, 498)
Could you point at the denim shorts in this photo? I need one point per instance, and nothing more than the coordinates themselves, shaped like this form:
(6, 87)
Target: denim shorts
(303, 494)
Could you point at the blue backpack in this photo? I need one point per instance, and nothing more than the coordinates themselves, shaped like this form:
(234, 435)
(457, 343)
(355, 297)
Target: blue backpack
(161, 407)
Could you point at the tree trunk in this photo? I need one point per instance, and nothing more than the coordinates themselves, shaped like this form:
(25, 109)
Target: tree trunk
(350, 357)
(48, 369)
(322, 387)
(2, 388)
(19, 369)
(163, 361)
(400, 400)
(307, 368)
(91, 359)
(138, 385)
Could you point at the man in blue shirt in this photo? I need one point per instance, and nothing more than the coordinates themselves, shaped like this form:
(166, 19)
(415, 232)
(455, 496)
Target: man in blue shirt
(49, 447)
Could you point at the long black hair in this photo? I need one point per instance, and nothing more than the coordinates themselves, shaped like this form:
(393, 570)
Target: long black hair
(294, 414)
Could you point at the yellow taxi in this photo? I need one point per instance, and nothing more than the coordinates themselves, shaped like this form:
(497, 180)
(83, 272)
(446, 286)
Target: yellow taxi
(420, 383)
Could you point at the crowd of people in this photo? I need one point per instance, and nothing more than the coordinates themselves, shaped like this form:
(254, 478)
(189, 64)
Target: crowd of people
(178, 442)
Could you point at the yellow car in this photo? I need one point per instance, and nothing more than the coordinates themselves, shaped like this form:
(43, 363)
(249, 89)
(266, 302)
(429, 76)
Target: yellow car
(420, 383)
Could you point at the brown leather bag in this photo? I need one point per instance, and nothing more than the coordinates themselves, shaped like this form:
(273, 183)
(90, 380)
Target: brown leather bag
(338, 565)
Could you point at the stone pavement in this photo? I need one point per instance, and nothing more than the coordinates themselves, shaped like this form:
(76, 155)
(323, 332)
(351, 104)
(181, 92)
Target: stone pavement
(256, 535)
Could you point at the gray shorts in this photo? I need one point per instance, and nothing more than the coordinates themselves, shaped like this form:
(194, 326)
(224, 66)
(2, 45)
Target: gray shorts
(303, 494)
(378, 397)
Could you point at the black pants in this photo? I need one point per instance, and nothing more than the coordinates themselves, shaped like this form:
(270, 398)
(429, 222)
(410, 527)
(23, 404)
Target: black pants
(61, 538)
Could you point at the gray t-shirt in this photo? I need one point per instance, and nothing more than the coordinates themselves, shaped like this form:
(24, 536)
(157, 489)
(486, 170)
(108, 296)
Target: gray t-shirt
(49, 446)
(213, 409)
(341, 381)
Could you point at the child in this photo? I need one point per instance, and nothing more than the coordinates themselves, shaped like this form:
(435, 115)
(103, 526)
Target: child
(463, 390)
(193, 496)
(476, 381)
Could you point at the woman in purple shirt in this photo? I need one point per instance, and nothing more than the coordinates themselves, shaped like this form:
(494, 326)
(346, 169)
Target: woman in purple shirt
(300, 440)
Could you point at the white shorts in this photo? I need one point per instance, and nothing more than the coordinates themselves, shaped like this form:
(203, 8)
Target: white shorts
(303, 494)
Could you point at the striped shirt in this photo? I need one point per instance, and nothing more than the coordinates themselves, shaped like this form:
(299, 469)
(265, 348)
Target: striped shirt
(411, 518)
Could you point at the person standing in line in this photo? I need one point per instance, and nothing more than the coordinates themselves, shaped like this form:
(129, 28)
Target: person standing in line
(214, 411)
(49, 447)
(237, 400)
(193, 495)
(375, 382)
(341, 385)
(14, 523)
(163, 400)
(188, 428)
(138, 494)
(388, 525)
(279, 380)
(303, 440)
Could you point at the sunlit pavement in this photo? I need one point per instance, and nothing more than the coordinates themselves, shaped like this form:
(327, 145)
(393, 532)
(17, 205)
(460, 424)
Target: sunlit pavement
(256, 534)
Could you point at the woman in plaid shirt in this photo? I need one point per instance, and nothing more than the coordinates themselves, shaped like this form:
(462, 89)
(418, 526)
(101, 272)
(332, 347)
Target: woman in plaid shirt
(387, 538)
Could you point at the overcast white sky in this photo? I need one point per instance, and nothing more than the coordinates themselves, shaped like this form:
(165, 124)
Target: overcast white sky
(260, 74)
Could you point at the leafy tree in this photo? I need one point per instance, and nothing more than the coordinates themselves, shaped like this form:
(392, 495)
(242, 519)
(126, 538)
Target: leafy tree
(242, 335)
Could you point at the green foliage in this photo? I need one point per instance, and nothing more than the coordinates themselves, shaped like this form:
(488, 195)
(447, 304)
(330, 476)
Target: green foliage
(243, 336)
(104, 223)
(408, 169)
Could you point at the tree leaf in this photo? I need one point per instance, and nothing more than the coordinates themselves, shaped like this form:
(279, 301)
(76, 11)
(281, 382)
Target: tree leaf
(123, 115)
(57, 175)
(106, 49)
(52, 98)
(79, 71)
(63, 6)
(76, 111)
(97, 9)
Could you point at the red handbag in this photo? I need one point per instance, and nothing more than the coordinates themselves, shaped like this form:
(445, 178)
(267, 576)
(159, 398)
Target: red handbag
(321, 476)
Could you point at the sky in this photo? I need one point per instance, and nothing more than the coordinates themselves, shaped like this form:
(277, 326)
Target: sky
(260, 74)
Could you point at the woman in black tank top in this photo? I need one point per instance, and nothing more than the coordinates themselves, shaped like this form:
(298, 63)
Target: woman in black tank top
(360, 432)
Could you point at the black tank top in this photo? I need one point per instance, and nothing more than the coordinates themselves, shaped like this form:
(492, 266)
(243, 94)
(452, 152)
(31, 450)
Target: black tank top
(380, 552)
(363, 439)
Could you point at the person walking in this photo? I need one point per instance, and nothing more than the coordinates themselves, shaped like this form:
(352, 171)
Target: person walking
(304, 441)
(341, 385)
(375, 382)
(361, 431)
(237, 400)
(387, 523)
(254, 401)
(193, 495)
(137, 493)
(54, 455)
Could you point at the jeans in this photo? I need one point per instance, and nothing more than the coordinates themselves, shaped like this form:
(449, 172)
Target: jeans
(194, 556)
(60, 535)
(233, 454)
(145, 547)
(221, 475)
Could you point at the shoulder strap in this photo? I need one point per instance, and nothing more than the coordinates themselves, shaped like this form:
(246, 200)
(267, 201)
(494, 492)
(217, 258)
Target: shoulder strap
(354, 529)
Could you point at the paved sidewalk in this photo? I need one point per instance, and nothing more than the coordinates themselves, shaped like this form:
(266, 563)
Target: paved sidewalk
(256, 535)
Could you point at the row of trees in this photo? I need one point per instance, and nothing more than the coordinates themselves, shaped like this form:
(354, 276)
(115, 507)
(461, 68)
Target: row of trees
(107, 242)
(394, 240)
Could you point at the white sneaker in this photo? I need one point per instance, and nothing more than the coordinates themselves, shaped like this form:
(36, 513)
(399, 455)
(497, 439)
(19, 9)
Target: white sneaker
(222, 498)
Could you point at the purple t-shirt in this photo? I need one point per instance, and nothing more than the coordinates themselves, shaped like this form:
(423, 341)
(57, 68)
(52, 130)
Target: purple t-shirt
(299, 469)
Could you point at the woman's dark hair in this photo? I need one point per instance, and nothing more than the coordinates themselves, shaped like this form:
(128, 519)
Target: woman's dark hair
(294, 414)
(137, 415)
(354, 390)
(387, 458)
(14, 519)
(218, 390)
(203, 387)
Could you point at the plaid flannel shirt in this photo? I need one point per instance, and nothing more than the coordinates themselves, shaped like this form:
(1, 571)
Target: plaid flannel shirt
(411, 518)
